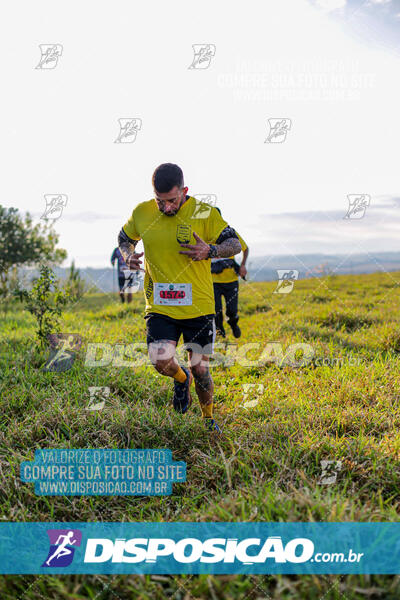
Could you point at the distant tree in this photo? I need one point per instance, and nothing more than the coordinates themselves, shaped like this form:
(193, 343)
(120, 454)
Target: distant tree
(75, 285)
(23, 243)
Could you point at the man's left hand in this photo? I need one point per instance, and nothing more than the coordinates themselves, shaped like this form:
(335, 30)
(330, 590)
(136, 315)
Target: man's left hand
(242, 271)
(198, 251)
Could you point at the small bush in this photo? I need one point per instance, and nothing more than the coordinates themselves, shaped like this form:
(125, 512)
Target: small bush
(45, 302)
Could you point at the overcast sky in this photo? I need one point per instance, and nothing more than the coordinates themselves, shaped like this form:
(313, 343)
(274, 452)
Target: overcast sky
(329, 67)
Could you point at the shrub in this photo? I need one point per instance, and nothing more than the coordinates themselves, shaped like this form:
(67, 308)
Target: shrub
(45, 302)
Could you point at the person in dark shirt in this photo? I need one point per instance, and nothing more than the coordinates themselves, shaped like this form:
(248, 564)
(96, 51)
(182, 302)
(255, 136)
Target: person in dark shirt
(123, 282)
(225, 274)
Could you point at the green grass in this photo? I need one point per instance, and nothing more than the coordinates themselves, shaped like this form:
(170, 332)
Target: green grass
(265, 468)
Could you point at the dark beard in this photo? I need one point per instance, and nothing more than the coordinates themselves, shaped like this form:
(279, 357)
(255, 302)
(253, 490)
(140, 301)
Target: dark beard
(172, 214)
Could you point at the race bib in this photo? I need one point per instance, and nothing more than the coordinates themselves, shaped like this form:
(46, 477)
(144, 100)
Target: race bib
(173, 294)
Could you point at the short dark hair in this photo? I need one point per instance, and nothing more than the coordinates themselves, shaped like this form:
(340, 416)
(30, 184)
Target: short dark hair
(167, 176)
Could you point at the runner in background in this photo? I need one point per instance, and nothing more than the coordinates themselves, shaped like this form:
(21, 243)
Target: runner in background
(122, 268)
(225, 274)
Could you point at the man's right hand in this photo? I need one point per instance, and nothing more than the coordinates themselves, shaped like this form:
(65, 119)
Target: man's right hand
(133, 262)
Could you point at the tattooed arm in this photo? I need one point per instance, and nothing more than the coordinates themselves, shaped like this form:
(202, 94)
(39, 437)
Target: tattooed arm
(227, 245)
(127, 247)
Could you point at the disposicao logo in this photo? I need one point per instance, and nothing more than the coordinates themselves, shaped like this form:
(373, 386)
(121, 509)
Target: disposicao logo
(190, 550)
(62, 542)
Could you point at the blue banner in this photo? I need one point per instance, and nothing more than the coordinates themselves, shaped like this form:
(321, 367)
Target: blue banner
(219, 548)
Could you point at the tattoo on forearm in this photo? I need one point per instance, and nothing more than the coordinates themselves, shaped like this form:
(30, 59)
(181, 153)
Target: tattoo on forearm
(228, 248)
(125, 244)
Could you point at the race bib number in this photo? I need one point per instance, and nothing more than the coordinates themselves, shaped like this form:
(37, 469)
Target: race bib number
(173, 294)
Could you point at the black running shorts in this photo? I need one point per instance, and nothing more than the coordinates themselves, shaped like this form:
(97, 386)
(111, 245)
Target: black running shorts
(199, 331)
(121, 281)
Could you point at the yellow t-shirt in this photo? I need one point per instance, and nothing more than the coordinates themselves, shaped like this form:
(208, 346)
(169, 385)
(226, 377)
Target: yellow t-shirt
(174, 285)
(228, 275)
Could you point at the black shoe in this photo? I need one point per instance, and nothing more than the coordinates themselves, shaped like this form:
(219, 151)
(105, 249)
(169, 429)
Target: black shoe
(182, 398)
(236, 330)
(221, 332)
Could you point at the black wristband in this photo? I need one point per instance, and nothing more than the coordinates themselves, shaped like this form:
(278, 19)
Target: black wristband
(213, 251)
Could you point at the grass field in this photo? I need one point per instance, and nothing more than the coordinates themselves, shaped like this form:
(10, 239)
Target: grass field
(267, 467)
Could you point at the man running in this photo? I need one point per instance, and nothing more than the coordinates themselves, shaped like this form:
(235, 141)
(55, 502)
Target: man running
(179, 242)
(225, 274)
(62, 549)
(123, 282)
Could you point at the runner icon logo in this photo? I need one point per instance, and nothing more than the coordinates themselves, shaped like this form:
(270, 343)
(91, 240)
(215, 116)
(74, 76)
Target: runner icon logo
(61, 551)
(50, 53)
(278, 129)
(98, 397)
(63, 349)
(204, 203)
(54, 206)
(286, 279)
(203, 53)
(128, 129)
(358, 204)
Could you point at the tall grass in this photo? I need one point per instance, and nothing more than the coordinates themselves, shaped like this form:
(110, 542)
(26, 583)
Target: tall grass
(266, 467)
